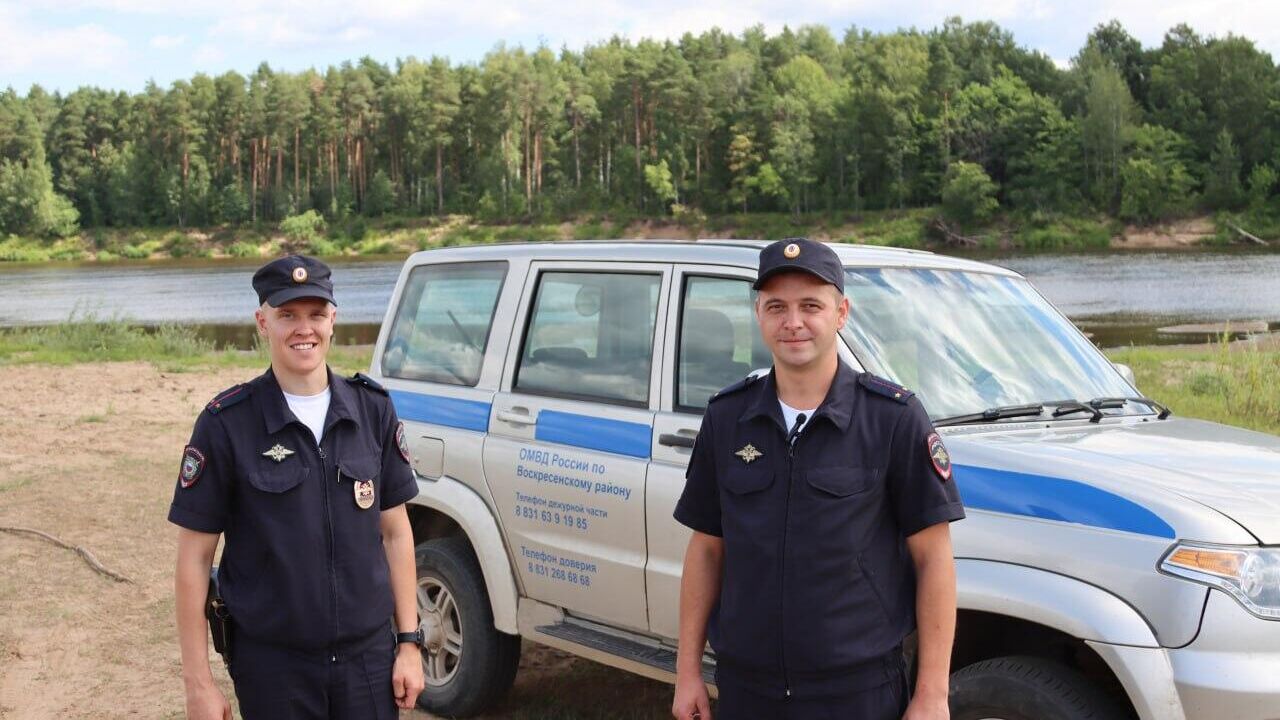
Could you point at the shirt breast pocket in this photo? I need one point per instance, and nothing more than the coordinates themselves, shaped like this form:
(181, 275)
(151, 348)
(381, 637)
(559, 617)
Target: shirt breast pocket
(278, 480)
(747, 480)
(361, 468)
(361, 473)
(843, 481)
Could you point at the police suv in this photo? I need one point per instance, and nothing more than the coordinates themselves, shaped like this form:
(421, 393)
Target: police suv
(1116, 562)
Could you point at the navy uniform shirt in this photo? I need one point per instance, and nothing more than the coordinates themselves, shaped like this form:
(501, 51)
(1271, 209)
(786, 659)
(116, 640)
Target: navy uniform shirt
(303, 563)
(817, 578)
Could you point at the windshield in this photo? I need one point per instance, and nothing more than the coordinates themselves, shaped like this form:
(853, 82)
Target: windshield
(967, 341)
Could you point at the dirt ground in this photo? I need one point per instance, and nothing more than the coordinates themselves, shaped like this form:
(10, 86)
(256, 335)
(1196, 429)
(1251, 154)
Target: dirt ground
(89, 453)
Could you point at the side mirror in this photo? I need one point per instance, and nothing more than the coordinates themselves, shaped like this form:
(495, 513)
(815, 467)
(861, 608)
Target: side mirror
(1127, 373)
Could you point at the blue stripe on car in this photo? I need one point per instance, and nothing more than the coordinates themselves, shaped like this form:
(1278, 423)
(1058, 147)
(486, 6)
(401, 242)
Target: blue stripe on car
(594, 433)
(439, 410)
(1051, 498)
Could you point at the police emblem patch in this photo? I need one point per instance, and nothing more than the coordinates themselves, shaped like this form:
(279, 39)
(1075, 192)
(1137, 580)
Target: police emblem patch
(278, 452)
(749, 453)
(939, 456)
(401, 443)
(192, 466)
(364, 493)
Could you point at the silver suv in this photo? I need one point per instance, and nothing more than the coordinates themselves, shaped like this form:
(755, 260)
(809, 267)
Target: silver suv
(1116, 562)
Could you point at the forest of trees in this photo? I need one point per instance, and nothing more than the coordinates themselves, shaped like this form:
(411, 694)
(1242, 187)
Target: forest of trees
(959, 116)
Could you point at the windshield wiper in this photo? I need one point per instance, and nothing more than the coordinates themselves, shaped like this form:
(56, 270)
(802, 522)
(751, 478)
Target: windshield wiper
(1068, 407)
(991, 414)
(1108, 402)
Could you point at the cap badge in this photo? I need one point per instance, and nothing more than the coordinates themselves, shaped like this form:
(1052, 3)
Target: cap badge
(791, 251)
(749, 454)
(299, 274)
(363, 490)
(278, 453)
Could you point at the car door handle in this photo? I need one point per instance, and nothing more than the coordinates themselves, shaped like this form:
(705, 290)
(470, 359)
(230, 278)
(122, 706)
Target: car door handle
(675, 440)
(517, 418)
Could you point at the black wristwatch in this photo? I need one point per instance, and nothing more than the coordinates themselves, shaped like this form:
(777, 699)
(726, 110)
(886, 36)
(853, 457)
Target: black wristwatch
(416, 637)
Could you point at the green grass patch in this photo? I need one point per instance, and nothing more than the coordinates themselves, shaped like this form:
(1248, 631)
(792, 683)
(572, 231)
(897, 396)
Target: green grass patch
(242, 249)
(597, 230)
(892, 228)
(172, 348)
(86, 338)
(16, 249)
(1228, 383)
(1263, 222)
(1063, 233)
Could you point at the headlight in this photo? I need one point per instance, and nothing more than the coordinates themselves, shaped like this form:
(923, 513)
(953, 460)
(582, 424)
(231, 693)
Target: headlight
(1249, 574)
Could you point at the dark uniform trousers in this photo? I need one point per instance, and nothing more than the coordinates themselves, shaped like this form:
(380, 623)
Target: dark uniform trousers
(274, 682)
(877, 690)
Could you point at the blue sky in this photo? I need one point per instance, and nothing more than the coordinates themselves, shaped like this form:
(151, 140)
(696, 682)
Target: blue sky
(121, 44)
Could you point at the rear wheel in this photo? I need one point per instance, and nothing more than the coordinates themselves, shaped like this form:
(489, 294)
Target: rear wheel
(1027, 688)
(469, 665)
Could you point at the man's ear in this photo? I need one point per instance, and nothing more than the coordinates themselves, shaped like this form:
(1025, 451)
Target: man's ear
(260, 319)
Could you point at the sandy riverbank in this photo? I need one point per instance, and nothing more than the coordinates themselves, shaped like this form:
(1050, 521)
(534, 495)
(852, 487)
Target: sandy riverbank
(89, 453)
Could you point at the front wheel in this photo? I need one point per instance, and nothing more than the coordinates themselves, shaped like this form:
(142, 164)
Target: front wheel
(469, 664)
(1026, 688)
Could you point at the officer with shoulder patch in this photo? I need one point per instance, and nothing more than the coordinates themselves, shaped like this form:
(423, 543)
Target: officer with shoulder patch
(305, 474)
(820, 499)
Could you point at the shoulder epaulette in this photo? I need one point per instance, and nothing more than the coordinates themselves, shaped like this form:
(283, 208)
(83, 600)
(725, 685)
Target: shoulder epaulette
(880, 386)
(743, 383)
(365, 380)
(228, 397)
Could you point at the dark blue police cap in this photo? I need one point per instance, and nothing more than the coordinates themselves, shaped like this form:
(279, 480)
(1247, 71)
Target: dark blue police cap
(800, 255)
(292, 277)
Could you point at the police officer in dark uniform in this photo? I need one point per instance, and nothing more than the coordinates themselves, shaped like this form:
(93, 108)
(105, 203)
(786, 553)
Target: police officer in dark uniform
(820, 499)
(305, 474)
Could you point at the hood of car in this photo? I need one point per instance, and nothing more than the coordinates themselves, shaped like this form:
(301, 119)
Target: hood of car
(1102, 473)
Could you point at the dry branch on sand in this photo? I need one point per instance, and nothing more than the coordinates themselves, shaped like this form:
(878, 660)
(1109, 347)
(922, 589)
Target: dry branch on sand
(78, 549)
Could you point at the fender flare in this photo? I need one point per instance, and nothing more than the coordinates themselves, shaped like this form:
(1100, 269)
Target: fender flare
(460, 503)
(1071, 606)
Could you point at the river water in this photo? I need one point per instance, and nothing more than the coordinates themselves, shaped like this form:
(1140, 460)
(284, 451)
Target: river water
(1119, 297)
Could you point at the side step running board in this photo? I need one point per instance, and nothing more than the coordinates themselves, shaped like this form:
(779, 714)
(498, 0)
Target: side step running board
(654, 656)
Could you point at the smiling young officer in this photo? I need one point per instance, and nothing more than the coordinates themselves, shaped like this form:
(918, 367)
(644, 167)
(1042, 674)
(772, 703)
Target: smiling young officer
(306, 475)
(820, 499)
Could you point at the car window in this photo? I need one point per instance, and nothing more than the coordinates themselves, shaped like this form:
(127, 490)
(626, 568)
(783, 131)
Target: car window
(590, 336)
(719, 341)
(442, 326)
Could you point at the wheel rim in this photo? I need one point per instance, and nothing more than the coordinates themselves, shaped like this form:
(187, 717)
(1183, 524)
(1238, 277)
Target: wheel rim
(441, 629)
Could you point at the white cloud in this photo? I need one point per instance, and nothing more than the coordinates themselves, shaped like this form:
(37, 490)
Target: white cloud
(167, 42)
(318, 31)
(25, 44)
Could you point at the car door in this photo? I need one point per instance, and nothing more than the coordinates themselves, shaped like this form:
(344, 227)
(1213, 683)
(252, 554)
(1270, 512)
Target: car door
(441, 362)
(711, 343)
(571, 433)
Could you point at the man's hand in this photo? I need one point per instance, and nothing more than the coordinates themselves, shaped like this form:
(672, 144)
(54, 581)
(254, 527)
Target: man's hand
(691, 700)
(406, 677)
(206, 702)
(928, 708)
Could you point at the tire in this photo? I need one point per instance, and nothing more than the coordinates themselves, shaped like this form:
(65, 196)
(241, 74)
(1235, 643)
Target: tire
(469, 664)
(1026, 688)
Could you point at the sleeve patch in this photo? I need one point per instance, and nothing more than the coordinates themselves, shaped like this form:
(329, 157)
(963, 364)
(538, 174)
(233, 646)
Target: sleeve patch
(402, 443)
(939, 456)
(193, 463)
